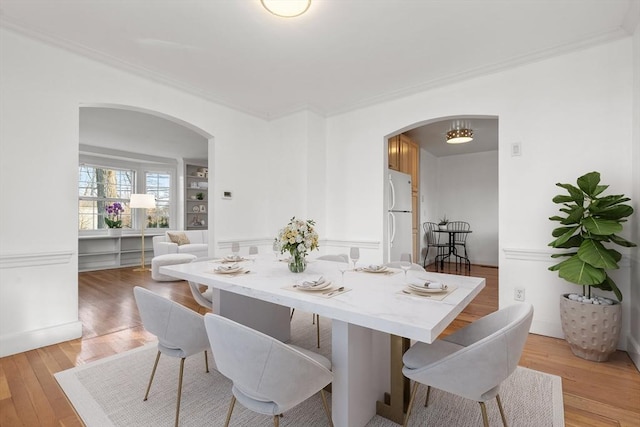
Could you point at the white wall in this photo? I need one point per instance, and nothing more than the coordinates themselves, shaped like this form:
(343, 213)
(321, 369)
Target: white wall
(468, 191)
(42, 89)
(571, 113)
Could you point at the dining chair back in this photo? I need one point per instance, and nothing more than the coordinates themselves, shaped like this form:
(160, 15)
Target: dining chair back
(180, 332)
(473, 361)
(269, 377)
(460, 239)
(398, 264)
(336, 257)
(433, 241)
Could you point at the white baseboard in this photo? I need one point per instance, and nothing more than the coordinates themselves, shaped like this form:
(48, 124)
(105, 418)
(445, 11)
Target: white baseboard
(25, 341)
(633, 349)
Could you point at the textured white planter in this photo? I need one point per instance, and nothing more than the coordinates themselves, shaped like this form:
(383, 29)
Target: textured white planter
(592, 331)
(114, 231)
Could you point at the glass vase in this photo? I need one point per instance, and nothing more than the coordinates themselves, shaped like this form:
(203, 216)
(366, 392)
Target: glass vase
(297, 263)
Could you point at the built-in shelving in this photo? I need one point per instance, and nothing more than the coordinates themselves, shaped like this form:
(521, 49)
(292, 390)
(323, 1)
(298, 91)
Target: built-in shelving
(196, 195)
(103, 252)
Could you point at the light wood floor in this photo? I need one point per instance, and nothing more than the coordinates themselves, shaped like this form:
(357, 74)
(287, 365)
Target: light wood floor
(595, 394)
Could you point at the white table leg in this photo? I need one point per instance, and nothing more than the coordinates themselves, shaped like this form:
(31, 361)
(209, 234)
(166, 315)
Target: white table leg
(360, 359)
(266, 317)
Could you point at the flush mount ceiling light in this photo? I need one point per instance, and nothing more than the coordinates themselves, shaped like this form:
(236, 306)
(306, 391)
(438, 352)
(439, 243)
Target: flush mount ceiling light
(286, 8)
(459, 136)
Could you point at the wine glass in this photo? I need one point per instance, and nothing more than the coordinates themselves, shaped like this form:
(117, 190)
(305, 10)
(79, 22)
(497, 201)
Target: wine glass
(342, 267)
(355, 256)
(276, 250)
(405, 266)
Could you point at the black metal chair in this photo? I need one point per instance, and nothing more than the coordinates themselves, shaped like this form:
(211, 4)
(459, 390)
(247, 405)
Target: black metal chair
(460, 238)
(433, 241)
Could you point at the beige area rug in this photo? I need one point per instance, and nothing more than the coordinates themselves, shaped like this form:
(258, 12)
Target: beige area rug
(109, 392)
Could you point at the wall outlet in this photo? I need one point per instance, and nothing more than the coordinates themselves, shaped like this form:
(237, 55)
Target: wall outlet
(518, 294)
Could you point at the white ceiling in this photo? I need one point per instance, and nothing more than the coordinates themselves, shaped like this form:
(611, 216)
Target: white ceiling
(341, 55)
(432, 137)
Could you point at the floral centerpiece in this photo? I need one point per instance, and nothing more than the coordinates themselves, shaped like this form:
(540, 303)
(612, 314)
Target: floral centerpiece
(113, 219)
(298, 238)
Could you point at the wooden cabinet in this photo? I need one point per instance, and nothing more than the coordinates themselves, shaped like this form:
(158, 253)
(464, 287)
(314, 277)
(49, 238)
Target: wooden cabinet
(196, 194)
(404, 156)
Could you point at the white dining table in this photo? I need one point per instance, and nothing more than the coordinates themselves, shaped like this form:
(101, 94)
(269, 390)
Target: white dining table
(372, 322)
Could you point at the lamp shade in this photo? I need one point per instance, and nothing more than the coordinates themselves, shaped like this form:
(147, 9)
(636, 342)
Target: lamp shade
(142, 201)
(459, 136)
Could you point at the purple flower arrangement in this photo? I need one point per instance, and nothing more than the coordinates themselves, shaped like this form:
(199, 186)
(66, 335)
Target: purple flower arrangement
(113, 219)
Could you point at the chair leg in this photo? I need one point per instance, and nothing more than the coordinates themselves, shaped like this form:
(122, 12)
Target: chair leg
(426, 401)
(153, 372)
(485, 419)
(276, 421)
(233, 402)
(179, 390)
(206, 362)
(504, 418)
(318, 330)
(413, 396)
(326, 407)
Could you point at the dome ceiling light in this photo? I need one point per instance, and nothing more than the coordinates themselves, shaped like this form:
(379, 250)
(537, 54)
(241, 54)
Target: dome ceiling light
(286, 8)
(459, 136)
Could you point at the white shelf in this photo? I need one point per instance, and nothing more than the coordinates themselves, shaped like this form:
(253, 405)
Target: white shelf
(189, 215)
(101, 252)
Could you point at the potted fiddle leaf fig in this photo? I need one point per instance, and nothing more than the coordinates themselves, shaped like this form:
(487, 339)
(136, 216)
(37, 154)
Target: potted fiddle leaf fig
(589, 225)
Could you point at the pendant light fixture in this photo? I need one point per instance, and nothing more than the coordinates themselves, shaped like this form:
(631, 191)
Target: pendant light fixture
(459, 136)
(286, 8)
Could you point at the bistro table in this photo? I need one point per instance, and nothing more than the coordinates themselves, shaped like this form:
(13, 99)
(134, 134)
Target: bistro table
(372, 323)
(452, 248)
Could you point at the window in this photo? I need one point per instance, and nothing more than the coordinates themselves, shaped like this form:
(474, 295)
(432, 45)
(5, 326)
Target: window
(159, 184)
(99, 187)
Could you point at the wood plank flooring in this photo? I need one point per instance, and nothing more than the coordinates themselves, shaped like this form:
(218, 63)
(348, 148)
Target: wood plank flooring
(595, 394)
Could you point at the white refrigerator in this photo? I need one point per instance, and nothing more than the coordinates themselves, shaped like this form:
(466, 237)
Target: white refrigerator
(400, 217)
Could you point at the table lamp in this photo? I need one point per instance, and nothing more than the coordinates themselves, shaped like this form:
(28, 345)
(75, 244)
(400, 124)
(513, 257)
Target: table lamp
(142, 201)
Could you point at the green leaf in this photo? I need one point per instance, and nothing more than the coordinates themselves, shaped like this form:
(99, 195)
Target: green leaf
(589, 183)
(622, 241)
(556, 218)
(599, 189)
(575, 193)
(573, 242)
(613, 212)
(575, 216)
(562, 230)
(579, 272)
(564, 254)
(602, 227)
(595, 254)
(565, 237)
(561, 198)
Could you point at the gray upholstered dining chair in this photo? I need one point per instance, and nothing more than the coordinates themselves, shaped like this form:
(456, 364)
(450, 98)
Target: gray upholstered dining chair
(397, 264)
(473, 361)
(204, 298)
(269, 377)
(316, 318)
(180, 332)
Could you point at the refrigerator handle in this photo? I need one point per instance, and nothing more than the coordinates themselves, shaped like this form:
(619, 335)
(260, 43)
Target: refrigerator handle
(392, 228)
(392, 194)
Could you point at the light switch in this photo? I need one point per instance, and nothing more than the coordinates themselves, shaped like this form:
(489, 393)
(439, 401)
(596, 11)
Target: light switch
(516, 149)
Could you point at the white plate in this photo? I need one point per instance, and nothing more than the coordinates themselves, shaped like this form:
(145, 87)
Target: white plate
(383, 269)
(426, 290)
(324, 287)
(228, 270)
(233, 258)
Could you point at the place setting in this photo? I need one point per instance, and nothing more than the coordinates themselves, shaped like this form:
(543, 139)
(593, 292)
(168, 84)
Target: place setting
(231, 270)
(376, 269)
(320, 287)
(426, 288)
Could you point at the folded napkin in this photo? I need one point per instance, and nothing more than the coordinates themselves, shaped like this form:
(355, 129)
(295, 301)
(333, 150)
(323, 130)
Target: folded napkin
(233, 258)
(312, 283)
(375, 267)
(229, 267)
(427, 284)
